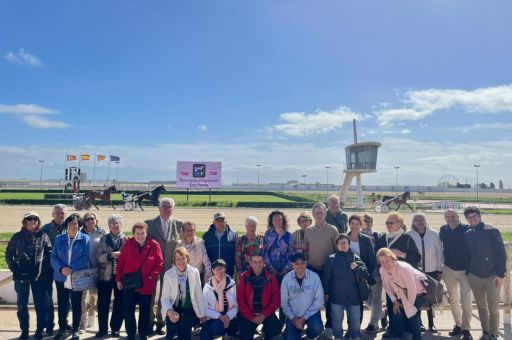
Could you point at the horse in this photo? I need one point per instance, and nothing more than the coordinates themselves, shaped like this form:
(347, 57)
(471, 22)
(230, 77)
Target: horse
(398, 200)
(153, 196)
(92, 196)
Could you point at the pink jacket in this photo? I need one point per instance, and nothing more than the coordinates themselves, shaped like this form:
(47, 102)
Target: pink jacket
(403, 283)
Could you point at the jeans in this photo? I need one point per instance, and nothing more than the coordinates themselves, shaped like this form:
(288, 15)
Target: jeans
(271, 327)
(214, 328)
(22, 289)
(130, 299)
(183, 327)
(105, 289)
(328, 321)
(402, 324)
(353, 315)
(314, 328)
(63, 297)
(487, 298)
(459, 294)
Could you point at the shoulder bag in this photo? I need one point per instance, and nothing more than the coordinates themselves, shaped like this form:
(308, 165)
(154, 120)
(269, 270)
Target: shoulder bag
(133, 280)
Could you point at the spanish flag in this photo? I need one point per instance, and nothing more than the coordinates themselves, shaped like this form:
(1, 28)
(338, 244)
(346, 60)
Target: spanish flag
(84, 157)
(70, 158)
(100, 158)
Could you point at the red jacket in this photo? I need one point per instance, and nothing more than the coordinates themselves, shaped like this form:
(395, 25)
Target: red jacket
(131, 259)
(271, 296)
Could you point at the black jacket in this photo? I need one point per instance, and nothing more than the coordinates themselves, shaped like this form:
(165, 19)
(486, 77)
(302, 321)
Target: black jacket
(367, 254)
(339, 281)
(405, 244)
(455, 246)
(28, 255)
(487, 249)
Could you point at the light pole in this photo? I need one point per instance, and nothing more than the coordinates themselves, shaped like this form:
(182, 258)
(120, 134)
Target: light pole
(396, 180)
(117, 167)
(41, 174)
(258, 166)
(327, 175)
(304, 178)
(477, 184)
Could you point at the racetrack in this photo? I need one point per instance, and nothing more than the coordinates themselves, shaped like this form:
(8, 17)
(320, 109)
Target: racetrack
(11, 216)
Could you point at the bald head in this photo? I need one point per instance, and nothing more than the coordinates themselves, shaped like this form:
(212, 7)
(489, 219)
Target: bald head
(452, 218)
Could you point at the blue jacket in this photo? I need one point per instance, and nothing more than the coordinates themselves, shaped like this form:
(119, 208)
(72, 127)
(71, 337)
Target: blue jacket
(301, 301)
(79, 256)
(223, 248)
(488, 257)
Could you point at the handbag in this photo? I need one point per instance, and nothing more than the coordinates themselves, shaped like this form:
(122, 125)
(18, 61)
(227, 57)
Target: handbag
(84, 279)
(434, 290)
(133, 280)
(364, 288)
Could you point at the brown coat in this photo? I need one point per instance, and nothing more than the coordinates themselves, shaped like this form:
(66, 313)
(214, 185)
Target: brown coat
(104, 257)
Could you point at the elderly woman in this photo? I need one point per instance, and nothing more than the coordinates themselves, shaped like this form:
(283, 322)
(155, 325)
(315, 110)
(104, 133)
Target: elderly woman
(182, 297)
(247, 244)
(70, 253)
(28, 257)
(429, 244)
(220, 303)
(402, 284)
(300, 244)
(108, 253)
(341, 289)
(198, 257)
(143, 254)
(90, 297)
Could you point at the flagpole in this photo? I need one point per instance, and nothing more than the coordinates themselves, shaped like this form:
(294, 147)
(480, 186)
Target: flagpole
(94, 170)
(108, 171)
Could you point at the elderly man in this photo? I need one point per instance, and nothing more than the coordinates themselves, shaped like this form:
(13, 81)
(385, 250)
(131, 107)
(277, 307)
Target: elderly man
(220, 242)
(335, 216)
(487, 268)
(321, 243)
(302, 298)
(166, 231)
(456, 262)
(52, 229)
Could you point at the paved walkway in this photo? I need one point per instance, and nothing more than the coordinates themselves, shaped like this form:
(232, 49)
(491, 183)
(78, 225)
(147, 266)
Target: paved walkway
(9, 327)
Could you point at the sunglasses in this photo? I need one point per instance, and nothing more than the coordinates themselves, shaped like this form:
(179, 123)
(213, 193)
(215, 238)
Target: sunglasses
(89, 219)
(390, 223)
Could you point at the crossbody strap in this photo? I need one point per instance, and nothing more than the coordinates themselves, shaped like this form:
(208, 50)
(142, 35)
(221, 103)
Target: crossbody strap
(140, 267)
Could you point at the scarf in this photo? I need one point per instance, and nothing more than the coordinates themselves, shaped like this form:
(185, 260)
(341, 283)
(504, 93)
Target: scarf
(391, 237)
(219, 287)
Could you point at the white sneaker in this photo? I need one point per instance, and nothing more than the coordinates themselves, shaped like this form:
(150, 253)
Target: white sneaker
(329, 333)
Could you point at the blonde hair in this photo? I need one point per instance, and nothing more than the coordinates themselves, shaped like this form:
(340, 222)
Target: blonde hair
(386, 252)
(397, 217)
(181, 251)
(304, 215)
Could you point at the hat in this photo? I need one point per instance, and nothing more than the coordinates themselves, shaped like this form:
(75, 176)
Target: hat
(31, 213)
(298, 257)
(219, 215)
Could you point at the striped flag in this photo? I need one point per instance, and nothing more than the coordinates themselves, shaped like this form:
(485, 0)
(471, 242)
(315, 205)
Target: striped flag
(85, 157)
(100, 158)
(115, 158)
(70, 158)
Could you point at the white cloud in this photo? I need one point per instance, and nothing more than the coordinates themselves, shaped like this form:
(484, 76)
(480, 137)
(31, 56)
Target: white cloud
(24, 58)
(421, 103)
(479, 126)
(202, 127)
(405, 131)
(302, 124)
(32, 114)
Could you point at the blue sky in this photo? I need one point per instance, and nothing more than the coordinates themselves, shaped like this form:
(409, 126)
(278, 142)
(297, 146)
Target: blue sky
(264, 82)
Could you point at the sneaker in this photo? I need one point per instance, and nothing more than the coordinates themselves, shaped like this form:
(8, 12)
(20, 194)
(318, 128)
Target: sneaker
(466, 335)
(433, 330)
(455, 331)
(371, 329)
(329, 333)
(114, 334)
(60, 335)
(75, 336)
(422, 329)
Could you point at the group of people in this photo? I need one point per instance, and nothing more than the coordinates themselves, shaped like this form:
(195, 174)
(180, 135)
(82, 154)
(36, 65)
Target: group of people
(225, 283)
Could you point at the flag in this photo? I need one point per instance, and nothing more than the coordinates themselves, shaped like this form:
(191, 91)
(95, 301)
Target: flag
(84, 157)
(100, 157)
(115, 158)
(70, 158)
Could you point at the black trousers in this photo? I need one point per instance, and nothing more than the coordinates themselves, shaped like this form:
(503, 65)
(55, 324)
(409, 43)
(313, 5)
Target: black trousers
(63, 297)
(105, 289)
(130, 299)
(184, 325)
(272, 326)
(430, 312)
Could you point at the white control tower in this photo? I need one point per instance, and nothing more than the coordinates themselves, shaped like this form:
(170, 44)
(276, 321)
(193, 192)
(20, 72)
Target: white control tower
(360, 158)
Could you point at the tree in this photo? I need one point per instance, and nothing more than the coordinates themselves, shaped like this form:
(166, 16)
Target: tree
(483, 185)
(500, 185)
(492, 186)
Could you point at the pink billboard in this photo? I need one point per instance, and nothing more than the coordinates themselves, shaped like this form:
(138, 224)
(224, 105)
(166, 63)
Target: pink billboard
(198, 175)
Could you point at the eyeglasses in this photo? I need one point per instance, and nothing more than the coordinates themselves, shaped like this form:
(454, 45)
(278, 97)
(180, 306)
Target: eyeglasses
(31, 218)
(89, 219)
(472, 217)
(390, 222)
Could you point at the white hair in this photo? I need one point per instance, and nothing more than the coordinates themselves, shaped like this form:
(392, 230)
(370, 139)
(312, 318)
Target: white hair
(168, 200)
(333, 197)
(114, 218)
(320, 205)
(59, 206)
(249, 219)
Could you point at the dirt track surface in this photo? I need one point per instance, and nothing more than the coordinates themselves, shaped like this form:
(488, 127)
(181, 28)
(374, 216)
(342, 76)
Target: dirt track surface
(11, 216)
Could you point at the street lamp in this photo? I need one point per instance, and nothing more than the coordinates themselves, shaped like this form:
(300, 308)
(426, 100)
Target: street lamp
(327, 171)
(117, 167)
(477, 184)
(396, 180)
(304, 178)
(41, 174)
(259, 166)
